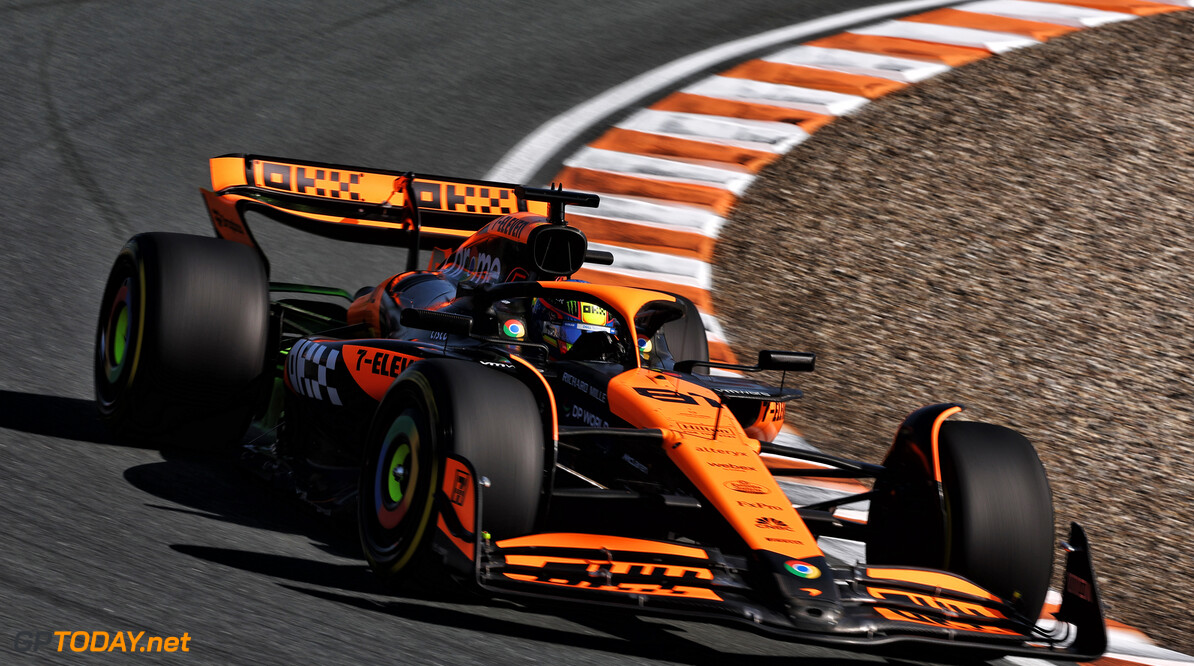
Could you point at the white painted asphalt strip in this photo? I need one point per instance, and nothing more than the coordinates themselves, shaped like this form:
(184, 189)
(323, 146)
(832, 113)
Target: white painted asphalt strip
(995, 42)
(794, 97)
(788, 437)
(665, 266)
(713, 329)
(847, 553)
(734, 180)
(529, 155)
(1046, 12)
(699, 282)
(905, 70)
(631, 210)
(656, 212)
(1133, 646)
(753, 134)
(801, 494)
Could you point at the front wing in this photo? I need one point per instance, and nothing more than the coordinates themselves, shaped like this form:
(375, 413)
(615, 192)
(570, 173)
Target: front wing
(884, 610)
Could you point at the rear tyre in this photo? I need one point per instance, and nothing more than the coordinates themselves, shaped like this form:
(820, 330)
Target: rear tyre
(438, 407)
(181, 341)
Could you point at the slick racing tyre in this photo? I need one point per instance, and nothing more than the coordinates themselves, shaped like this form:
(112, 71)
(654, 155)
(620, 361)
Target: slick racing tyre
(998, 522)
(181, 340)
(999, 512)
(434, 408)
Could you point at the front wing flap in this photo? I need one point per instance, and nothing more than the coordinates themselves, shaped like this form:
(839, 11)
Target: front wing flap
(884, 610)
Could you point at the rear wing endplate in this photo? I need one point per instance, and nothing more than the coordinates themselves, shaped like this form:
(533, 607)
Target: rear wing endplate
(353, 203)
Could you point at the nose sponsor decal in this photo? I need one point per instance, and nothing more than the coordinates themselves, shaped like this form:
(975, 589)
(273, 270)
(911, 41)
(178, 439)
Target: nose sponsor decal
(802, 569)
(744, 486)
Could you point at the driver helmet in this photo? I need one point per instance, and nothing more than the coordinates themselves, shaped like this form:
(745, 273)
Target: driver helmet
(562, 322)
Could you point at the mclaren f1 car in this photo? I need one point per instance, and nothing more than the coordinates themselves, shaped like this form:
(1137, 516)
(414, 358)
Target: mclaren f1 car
(538, 436)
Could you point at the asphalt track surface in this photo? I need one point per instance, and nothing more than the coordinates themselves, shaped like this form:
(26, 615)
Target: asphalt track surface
(110, 112)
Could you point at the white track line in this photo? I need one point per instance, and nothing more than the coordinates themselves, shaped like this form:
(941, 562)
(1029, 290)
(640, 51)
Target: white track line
(905, 70)
(677, 216)
(754, 134)
(995, 42)
(523, 161)
(777, 94)
(1047, 12)
(666, 266)
(734, 180)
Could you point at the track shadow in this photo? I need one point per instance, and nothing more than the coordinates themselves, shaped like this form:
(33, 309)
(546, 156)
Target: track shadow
(630, 635)
(354, 577)
(54, 416)
(221, 488)
(625, 633)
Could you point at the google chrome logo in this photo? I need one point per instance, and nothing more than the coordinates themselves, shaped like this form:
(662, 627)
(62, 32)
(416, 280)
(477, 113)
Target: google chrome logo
(802, 569)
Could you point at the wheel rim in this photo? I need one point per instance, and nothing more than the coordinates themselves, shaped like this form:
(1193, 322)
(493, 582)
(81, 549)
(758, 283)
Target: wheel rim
(118, 336)
(114, 337)
(398, 477)
(398, 471)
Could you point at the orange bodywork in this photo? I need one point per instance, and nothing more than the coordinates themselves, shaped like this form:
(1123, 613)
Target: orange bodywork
(259, 177)
(367, 309)
(927, 620)
(936, 436)
(354, 184)
(705, 441)
(226, 219)
(650, 589)
(461, 492)
(373, 369)
(621, 556)
(602, 542)
(934, 579)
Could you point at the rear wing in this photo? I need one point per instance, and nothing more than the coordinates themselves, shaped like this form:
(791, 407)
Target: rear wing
(353, 203)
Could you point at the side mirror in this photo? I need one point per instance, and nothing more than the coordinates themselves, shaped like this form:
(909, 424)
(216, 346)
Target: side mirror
(440, 322)
(599, 257)
(787, 361)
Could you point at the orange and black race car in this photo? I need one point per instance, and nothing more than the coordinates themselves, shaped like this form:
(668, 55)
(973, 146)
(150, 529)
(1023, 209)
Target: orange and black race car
(536, 436)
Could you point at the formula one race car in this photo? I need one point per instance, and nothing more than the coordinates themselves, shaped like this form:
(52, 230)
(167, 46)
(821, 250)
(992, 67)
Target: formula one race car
(538, 436)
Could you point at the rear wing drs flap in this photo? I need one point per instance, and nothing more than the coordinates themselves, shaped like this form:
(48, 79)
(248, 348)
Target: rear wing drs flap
(353, 203)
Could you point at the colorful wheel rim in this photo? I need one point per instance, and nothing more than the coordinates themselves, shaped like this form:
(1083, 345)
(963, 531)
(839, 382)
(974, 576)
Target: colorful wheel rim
(114, 339)
(396, 482)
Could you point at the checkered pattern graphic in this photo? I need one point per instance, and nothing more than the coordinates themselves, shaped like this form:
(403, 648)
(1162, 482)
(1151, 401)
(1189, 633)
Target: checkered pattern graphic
(307, 368)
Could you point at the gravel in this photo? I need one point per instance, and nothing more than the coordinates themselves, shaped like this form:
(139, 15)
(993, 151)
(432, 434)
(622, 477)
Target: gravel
(1016, 236)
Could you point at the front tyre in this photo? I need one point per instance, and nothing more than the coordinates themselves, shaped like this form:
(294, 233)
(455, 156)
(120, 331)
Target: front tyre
(993, 520)
(399, 480)
(181, 340)
(999, 512)
(437, 407)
